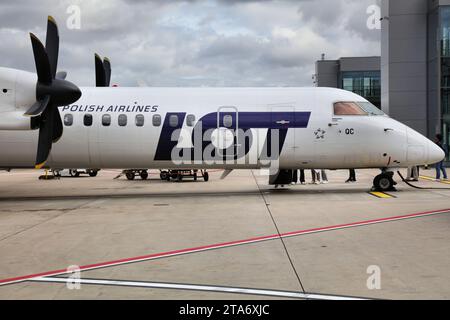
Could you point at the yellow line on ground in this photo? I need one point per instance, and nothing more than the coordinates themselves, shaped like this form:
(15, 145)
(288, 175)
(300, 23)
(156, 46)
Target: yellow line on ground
(381, 195)
(434, 180)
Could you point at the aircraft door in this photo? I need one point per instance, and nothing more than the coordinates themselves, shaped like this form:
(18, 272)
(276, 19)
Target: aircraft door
(283, 121)
(346, 144)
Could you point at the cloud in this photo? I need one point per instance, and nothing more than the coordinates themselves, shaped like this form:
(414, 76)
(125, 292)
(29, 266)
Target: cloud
(193, 42)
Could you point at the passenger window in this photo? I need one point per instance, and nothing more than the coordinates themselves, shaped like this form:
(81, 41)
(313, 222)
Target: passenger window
(348, 109)
(227, 121)
(87, 120)
(156, 120)
(106, 120)
(190, 120)
(122, 120)
(173, 121)
(140, 120)
(68, 120)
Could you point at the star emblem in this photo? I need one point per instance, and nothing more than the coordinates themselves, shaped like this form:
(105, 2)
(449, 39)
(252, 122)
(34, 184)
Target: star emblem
(320, 134)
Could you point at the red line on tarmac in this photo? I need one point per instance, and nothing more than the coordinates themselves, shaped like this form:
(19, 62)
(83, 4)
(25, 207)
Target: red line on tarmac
(222, 245)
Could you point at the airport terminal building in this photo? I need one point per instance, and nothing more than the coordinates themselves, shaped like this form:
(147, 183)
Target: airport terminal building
(411, 81)
(415, 64)
(360, 75)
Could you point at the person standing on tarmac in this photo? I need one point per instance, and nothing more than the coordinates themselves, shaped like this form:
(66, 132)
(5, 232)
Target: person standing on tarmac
(302, 176)
(324, 177)
(352, 177)
(315, 176)
(295, 177)
(440, 166)
(413, 173)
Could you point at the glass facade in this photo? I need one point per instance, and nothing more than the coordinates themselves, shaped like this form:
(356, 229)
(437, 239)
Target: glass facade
(444, 34)
(364, 83)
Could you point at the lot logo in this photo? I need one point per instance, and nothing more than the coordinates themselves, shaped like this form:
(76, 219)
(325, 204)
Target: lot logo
(74, 278)
(228, 138)
(374, 280)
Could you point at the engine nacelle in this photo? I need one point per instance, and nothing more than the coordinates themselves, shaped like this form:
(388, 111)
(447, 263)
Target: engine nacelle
(17, 95)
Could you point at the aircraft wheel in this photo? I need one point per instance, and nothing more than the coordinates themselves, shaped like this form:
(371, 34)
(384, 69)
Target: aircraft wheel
(74, 173)
(93, 173)
(130, 175)
(144, 175)
(206, 176)
(384, 182)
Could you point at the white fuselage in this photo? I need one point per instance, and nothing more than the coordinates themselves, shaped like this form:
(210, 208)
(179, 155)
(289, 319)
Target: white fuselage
(314, 136)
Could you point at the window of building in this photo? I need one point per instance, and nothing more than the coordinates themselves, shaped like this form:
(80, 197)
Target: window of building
(156, 120)
(364, 83)
(87, 120)
(348, 109)
(173, 121)
(106, 120)
(68, 120)
(140, 120)
(190, 120)
(122, 120)
(227, 121)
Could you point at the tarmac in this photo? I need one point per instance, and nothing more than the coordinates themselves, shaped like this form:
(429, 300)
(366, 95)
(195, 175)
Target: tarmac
(238, 238)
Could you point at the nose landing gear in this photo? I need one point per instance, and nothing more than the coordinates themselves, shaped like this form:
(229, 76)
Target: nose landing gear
(384, 182)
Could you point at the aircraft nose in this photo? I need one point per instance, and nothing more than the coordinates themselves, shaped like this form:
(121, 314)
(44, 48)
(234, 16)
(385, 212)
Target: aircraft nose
(435, 153)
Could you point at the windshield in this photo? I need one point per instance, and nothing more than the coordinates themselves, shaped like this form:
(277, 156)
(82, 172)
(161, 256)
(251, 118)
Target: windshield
(361, 108)
(370, 109)
(348, 109)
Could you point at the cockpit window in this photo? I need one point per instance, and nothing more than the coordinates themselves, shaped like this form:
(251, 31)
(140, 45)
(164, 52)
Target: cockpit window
(371, 109)
(348, 109)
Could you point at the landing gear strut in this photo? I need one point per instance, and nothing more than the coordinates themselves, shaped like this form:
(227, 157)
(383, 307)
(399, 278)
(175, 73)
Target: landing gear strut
(384, 182)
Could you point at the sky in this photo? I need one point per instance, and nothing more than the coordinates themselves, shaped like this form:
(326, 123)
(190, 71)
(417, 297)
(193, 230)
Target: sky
(194, 43)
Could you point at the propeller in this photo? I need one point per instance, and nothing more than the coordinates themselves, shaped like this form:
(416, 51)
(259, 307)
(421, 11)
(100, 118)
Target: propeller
(52, 91)
(102, 71)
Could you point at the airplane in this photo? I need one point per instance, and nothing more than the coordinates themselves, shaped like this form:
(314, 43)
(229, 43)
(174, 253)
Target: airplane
(47, 122)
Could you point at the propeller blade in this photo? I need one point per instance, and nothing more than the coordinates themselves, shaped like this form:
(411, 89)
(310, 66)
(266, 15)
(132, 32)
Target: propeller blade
(107, 68)
(58, 126)
(52, 91)
(52, 45)
(61, 75)
(41, 60)
(38, 107)
(45, 137)
(100, 79)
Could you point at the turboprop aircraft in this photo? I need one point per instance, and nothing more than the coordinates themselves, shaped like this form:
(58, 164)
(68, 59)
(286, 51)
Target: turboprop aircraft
(48, 122)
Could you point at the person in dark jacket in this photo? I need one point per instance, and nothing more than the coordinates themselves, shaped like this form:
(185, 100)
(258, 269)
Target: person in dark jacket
(352, 177)
(295, 177)
(302, 176)
(440, 166)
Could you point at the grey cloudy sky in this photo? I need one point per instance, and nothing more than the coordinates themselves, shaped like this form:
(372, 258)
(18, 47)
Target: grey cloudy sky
(192, 42)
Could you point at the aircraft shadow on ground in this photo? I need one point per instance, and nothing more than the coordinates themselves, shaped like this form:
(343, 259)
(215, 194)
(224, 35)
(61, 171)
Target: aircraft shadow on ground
(200, 194)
